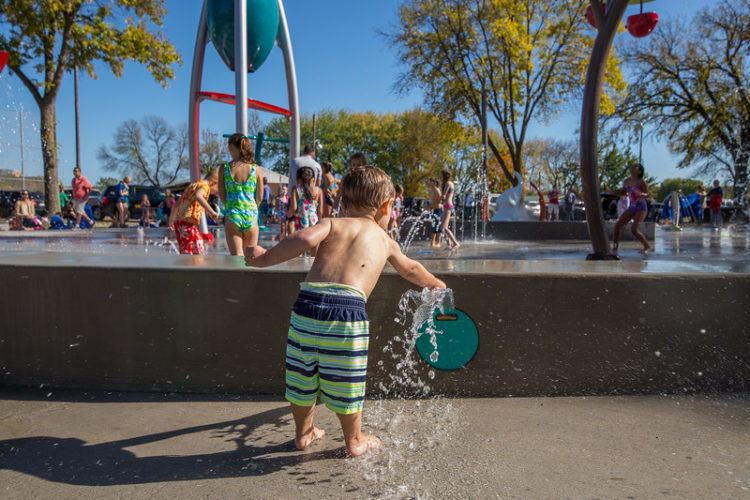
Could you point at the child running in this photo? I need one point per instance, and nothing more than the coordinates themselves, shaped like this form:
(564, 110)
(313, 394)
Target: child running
(329, 329)
(187, 213)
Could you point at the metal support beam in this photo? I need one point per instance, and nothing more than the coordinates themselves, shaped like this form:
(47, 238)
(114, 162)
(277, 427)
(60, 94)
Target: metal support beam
(285, 43)
(240, 66)
(199, 53)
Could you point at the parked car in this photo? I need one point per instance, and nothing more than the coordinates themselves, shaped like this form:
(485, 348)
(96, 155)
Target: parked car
(95, 202)
(108, 201)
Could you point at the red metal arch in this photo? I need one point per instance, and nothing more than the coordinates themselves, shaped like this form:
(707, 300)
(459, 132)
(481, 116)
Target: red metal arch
(251, 103)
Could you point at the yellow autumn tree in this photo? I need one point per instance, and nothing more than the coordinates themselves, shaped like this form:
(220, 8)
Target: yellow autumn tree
(531, 57)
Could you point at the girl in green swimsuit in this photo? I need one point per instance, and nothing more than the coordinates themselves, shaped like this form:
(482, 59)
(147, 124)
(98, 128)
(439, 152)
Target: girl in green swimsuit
(240, 184)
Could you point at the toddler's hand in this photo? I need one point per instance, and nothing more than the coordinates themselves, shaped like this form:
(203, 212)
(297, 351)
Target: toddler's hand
(439, 284)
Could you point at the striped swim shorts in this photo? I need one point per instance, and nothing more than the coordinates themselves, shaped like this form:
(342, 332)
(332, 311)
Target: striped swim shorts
(326, 352)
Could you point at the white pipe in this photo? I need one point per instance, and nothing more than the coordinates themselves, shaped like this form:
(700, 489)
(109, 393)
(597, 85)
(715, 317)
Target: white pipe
(240, 64)
(285, 43)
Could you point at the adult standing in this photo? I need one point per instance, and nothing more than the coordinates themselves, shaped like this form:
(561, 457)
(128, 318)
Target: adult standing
(81, 188)
(701, 192)
(469, 204)
(306, 160)
(570, 204)
(122, 193)
(265, 204)
(715, 197)
(240, 185)
(553, 208)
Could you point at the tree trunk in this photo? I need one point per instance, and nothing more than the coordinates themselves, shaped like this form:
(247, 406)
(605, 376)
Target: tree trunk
(49, 156)
(590, 128)
(740, 186)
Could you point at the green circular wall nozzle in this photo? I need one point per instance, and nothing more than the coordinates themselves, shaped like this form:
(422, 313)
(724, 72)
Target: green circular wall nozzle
(456, 337)
(262, 28)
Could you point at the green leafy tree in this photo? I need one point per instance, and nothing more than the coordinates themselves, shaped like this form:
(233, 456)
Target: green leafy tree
(411, 146)
(103, 182)
(614, 166)
(531, 57)
(340, 134)
(687, 186)
(47, 38)
(692, 86)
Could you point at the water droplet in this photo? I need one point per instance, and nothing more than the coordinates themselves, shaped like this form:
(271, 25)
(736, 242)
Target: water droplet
(434, 356)
(431, 374)
(657, 354)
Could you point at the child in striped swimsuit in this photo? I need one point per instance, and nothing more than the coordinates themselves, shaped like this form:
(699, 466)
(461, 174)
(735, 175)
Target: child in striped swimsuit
(328, 335)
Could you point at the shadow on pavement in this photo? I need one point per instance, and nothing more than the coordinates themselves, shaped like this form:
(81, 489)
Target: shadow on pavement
(72, 461)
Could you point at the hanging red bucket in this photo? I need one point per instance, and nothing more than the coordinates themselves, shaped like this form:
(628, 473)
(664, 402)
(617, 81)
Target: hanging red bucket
(640, 25)
(3, 60)
(590, 14)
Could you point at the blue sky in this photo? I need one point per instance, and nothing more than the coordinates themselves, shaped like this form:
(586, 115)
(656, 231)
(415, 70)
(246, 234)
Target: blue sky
(341, 60)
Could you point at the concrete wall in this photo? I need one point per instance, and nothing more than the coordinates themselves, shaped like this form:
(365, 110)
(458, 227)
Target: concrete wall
(221, 328)
(537, 230)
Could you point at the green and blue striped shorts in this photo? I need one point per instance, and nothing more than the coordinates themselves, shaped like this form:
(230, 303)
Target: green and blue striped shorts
(326, 352)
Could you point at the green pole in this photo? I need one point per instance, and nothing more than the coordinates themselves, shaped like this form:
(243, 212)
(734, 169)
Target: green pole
(259, 146)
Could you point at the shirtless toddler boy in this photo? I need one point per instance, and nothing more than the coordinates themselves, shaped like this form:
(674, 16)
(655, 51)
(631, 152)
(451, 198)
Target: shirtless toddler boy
(329, 329)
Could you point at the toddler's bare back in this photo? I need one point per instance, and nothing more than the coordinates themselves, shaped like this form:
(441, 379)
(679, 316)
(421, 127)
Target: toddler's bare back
(354, 253)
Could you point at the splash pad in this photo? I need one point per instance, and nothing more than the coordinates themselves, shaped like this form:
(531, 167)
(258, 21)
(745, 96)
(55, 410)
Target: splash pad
(555, 326)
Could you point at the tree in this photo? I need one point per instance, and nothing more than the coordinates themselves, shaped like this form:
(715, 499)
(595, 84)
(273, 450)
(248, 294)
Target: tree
(213, 152)
(103, 182)
(410, 146)
(341, 134)
(553, 162)
(692, 85)
(530, 56)
(151, 151)
(47, 38)
(687, 186)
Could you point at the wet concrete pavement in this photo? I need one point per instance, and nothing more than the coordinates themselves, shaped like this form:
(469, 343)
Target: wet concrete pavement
(132, 445)
(693, 250)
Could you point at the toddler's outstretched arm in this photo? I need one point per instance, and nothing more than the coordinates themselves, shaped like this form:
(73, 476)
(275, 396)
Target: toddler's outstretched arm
(290, 247)
(412, 270)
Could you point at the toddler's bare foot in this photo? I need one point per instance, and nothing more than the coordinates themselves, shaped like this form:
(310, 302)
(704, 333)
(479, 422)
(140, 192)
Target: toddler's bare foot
(305, 440)
(646, 250)
(365, 443)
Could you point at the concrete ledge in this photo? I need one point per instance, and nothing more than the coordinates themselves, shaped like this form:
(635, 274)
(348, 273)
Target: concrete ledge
(223, 329)
(538, 230)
